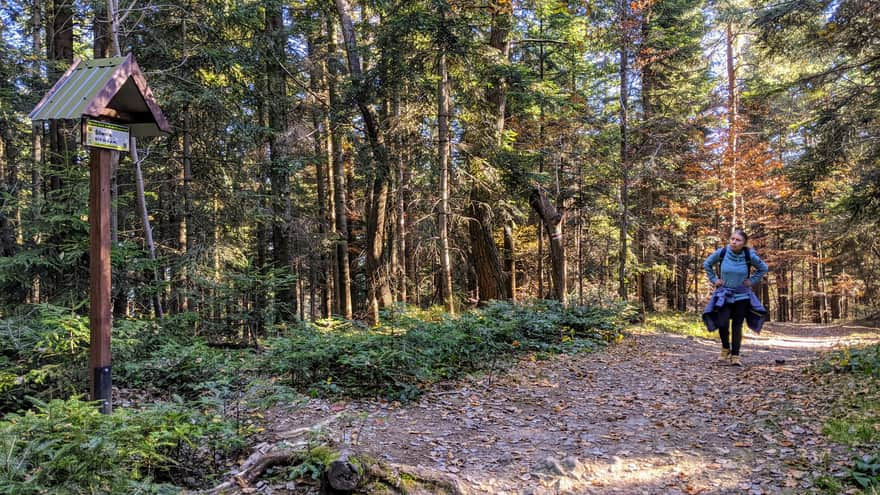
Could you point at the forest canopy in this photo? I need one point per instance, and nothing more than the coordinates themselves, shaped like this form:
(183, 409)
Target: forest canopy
(337, 158)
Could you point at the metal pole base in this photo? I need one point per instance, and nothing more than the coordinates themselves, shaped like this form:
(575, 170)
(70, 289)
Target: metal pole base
(103, 389)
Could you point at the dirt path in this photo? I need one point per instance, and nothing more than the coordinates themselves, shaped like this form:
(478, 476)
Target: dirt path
(654, 414)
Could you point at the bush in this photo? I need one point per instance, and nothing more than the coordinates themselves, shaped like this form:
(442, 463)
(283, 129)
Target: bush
(866, 471)
(44, 353)
(69, 447)
(397, 358)
(864, 360)
(856, 418)
(184, 369)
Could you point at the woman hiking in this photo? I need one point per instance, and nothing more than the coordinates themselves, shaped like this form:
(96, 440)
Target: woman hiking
(733, 301)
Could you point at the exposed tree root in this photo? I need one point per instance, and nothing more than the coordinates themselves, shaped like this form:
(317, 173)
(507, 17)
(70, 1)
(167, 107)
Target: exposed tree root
(264, 457)
(416, 480)
(348, 473)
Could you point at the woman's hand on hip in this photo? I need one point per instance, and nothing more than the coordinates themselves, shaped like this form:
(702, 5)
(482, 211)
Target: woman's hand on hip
(747, 283)
(719, 283)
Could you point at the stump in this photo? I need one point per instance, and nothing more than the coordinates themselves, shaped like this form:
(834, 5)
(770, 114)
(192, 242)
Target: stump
(342, 475)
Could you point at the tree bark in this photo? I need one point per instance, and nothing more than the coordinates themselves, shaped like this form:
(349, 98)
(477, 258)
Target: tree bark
(377, 278)
(624, 151)
(817, 313)
(484, 254)
(443, 157)
(646, 239)
(401, 232)
(322, 166)
(8, 186)
(60, 48)
(510, 259)
(340, 201)
(279, 177)
(553, 221)
(185, 234)
(38, 130)
(732, 151)
(341, 475)
(491, 282)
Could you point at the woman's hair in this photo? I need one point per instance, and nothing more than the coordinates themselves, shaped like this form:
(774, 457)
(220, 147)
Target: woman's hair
(742, 233)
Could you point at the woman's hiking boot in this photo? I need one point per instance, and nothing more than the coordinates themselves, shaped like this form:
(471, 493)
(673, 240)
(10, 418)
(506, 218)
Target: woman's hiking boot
(734, 361)
(724, 356)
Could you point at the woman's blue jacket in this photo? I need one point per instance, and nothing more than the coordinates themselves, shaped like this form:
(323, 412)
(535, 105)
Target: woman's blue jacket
(755, 316)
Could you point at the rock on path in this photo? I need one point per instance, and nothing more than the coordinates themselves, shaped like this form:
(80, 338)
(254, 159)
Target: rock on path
(654, 414)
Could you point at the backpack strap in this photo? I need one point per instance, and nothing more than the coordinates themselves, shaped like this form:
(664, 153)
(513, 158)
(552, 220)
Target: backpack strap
(721, 259)
(748, 261)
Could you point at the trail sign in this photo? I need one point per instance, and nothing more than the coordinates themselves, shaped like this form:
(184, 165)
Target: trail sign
(111, 98)
(99, 134)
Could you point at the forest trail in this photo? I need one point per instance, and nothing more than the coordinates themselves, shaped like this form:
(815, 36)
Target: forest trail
(653, 414)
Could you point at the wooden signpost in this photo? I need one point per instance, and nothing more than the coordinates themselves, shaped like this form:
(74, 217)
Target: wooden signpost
(113, 103)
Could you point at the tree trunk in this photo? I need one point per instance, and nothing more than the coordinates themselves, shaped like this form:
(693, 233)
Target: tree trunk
(60, 48)
(279, 177)
(647, 241)
(624, 152)
(8, 186)
(401, 232)
(38, 130)
(145, 219)
(817, 313)
(681, 275)
(491, 283)
(321, 172)
(484, 254)
(731, 160)
(553, 221)
(443, 162)
(377, 278)
(646, 238)
(782, 295)
(186, 226)
(510, 259)
(409, 238)
(340, 201)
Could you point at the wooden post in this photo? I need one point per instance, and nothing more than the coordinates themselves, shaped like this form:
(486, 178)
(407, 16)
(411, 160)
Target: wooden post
(99, 277)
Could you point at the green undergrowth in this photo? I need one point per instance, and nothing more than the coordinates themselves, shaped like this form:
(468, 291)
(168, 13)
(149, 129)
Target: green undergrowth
(855, 418)
(44, 352)
(186, 408)
(68, 447)
(407, 352)
(680, 323)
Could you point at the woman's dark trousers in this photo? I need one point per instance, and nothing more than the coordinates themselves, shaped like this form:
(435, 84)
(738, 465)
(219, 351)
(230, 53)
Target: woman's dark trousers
(734, 313)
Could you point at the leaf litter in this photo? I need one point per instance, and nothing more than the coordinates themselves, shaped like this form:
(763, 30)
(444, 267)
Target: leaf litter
(655, 413)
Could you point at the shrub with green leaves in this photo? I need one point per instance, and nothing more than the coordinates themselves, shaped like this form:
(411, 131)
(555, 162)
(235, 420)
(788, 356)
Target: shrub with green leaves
(856, 418)
(406, 352)
(866, 471)
(862, 360)
(184, 369)
(44, 352)
(68, 447)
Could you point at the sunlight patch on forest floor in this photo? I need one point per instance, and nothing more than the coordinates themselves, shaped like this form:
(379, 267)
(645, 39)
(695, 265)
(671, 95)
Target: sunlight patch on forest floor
(654, 414)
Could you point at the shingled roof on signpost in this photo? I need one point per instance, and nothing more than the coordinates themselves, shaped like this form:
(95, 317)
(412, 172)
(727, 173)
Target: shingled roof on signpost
(111, 89)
